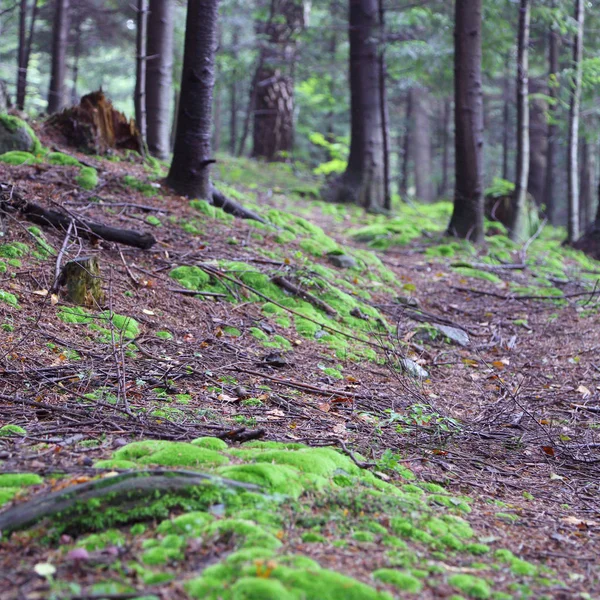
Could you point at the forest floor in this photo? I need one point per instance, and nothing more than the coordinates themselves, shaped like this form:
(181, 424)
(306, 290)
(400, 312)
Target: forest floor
(423, 421)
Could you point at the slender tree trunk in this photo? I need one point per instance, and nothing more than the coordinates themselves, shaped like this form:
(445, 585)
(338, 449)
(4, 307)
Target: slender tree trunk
(506, 127)
(60, 35)
(538, 140)
(588, 167)
(406, 146)
(333, 43)
(443, 187)
(573, 170)
(250, 108)
(553, 64)
(363, 182)
(140, 74)
(190, 173)
(384, 110)
(518, 217)
(233, 91)
(467, 218)
(216, 143)
(421, 144)
(76, 53)
(21, 66)
(159, 76)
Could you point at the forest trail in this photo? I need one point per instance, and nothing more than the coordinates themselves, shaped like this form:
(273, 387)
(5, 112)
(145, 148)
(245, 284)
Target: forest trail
(481, 468)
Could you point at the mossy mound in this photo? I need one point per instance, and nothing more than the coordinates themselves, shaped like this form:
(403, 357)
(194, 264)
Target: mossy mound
(169, 454)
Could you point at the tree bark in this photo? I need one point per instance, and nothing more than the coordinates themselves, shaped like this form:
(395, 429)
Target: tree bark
(467, 217)
(159, 76)
(76, 54)
(506, 128)
(233, 91)
(189, 174)
(421, 144)
(588, 168)
(518, 217)
(574, 105)
(443, 187)
(140, 62)
(273, 133)
(538, 141)
(60, 34)
(363, 182)
(21, 66)
(553, 67)
(384, 109)
(403, 184)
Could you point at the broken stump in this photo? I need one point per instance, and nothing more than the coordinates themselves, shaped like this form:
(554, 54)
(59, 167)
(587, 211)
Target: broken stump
(81, 277)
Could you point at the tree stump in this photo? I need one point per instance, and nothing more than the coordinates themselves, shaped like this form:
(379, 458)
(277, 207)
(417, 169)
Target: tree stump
(82, 279)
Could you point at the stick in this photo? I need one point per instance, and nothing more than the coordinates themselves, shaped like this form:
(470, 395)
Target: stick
(287, 285)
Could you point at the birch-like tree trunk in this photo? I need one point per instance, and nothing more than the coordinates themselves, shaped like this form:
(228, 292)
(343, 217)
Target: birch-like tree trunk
(140, 62)
(518, 220)
(574, 106)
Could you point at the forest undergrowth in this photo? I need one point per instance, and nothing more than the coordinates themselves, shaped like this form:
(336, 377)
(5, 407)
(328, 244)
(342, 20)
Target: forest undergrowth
(380, 411)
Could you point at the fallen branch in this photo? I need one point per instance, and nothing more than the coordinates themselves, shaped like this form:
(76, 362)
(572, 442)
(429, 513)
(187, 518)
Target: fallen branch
(146, 482)
(287, 285)
(42, 216)
(234, 208)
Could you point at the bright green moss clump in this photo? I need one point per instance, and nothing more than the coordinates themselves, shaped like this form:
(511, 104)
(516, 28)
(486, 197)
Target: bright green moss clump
(14, 250)
(58, 158)
(400, 579)
(13, 123)
(87, 178)
(9, 299)
(18, 157)
(19, 479)
(473, 587)
(173, 454)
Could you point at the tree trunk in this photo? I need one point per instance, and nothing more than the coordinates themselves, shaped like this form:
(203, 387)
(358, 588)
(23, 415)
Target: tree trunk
(140, 73)
(573, 174)
(190, 174)
(21, 66)
(421, 144)
(384, 110)
(60, 35)
(403, 184)
(443, 187)
(538, 141)
(274, 100)
(588, 168)
(363, 182)
(467, 218)
(518, 216)
(553, 67)
(216, 143)
(159, 76)
(233, 91)
(506, 128)
(76, 53)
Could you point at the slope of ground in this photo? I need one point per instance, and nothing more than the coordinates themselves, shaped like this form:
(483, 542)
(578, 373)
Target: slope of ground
(380, 412)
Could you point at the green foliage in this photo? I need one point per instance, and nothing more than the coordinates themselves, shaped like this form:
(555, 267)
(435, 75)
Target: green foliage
(87, 178)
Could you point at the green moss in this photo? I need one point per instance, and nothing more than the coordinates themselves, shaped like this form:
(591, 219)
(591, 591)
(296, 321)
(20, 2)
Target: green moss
(211, 211)
(232, 331)
(14, 250)
(473, 587)
(115, 464)
(99, 541)
(477, 274)
(58, 158)
(313, 537)
(363, 536)
(15, 480)
(87, 178)
(247, 533)
(127, 326)
(399, 579)
(164, 335)
(44, 248)
(18, 157)
(523, 568)
(146, 188)
(477, 549)
(335, 373)
(154, 221)
(172, 454)
(280, 479)
(191, 524)
(259, 334)
(212, 443)
(192, 278)
(9, 299)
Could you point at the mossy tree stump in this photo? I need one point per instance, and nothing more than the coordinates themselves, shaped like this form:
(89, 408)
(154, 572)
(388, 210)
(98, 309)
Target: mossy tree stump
(82, 279)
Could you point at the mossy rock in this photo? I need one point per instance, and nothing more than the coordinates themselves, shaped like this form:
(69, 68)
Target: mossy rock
(17, 135)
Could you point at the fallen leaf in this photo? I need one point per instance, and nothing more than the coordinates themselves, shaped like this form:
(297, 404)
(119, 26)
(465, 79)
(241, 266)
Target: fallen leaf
(324, 407)
(548, 450)
(585, 392)
(147, 312)
(45, 569)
